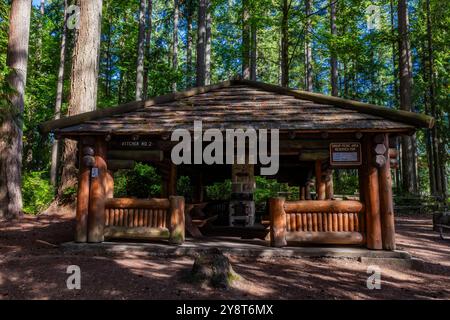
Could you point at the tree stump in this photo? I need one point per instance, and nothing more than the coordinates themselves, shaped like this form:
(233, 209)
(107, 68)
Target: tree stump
(213, 268)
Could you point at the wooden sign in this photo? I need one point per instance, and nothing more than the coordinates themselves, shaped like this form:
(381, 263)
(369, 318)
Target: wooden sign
(131, 143)
(345, 154)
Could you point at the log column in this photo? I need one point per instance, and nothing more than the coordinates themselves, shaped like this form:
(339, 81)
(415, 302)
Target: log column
(371, 195)
(277, 222)
(386, 201)
(86, 158)
(96, 219)
(109, 184)
(172, 180)
(320, 183)
(198, 197)
(329, 187)
(176, 220)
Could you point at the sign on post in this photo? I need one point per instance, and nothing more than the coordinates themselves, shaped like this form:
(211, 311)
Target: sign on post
(345, 154)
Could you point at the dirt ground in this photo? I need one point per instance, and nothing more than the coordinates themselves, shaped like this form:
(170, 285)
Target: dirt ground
(33, 266)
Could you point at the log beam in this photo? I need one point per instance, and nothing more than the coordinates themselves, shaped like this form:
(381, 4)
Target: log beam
(325, 237)
(318, 206)
(137, 155)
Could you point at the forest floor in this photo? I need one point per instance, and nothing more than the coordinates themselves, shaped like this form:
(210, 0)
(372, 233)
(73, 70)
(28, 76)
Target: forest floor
(33, 266)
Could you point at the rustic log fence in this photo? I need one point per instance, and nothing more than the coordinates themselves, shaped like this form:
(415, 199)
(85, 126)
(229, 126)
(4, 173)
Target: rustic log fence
(316, 222)
(127, 218)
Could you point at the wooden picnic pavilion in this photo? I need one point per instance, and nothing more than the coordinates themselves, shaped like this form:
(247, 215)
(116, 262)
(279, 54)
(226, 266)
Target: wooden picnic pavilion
(317, 134)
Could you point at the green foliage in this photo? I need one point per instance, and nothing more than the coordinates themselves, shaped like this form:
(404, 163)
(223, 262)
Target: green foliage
(367, 67)
(184, 188)
(141, 182)
(219, 190)
(37, 192)
(346, 182)
(267, 188)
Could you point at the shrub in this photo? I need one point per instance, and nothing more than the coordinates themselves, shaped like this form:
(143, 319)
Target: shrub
(37, 192)
(141, 182)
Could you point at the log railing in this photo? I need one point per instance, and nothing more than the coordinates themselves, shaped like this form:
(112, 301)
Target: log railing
(316, 221)
(145, 219)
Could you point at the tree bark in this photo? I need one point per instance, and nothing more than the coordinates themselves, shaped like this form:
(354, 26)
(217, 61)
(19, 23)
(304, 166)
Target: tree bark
(245, 40)
(253, 48)
(438, 166)
(333, 58)
(405, 76)
(285, 45)
(175, 40)
(201, 44)
(148, 36)
(83, 86)
(140, 51)
(59, 97)
(308, 51)
(189, 7)
(208, 45)
(12, 117)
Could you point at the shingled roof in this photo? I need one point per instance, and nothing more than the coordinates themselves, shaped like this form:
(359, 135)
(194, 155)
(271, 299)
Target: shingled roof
(240, 104)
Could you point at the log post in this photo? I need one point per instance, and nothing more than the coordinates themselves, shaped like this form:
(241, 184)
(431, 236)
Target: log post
(308, 185)
(96, 219)
(82, 197)
(199, 188)
(277, 222)
(176, 220)
(320, 184)
(371, 196)
(172, 180)
(329, 187)
(386, 202)
(109, 184)
(302, 192)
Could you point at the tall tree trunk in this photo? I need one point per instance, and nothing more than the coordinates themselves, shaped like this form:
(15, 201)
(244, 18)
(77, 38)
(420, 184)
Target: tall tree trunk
(108, 58)
(148, 36)
(59, 97)
(405, 75)
(333, 58)
(245, 39)
(428, 141)
(394, 56)
(253, 49)
(12, 117)
(437, 163)
(208, 45)
(140, 55)
(201, 44)
(83, 85)
(308, 52)
(189, 12)
(285, 45)
(176, 10)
